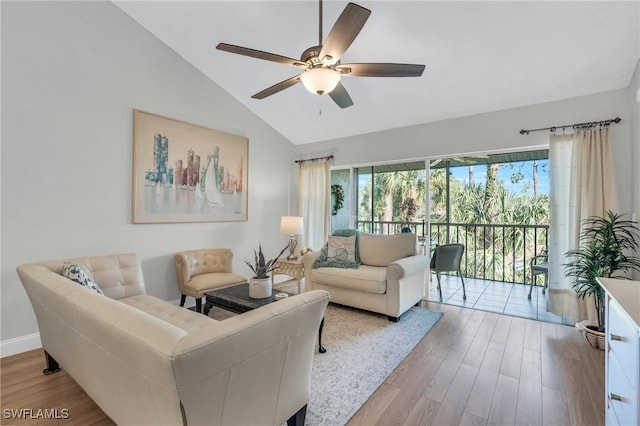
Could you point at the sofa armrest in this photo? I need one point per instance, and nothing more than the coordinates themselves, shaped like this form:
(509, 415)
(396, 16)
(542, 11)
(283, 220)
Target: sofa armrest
(405, 283)
(263, 356)
(307, 261)
(406, 266)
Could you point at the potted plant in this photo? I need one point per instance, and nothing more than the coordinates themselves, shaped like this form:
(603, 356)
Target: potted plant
(608, 248)
(260, 285)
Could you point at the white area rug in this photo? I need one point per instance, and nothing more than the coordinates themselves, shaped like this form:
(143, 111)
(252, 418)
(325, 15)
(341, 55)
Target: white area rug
(362, 350)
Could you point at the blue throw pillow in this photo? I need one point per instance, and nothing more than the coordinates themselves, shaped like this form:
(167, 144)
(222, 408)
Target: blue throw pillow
(76, 273)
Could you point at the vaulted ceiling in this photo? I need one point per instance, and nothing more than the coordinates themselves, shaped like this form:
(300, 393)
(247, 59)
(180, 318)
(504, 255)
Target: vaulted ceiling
(480, 56)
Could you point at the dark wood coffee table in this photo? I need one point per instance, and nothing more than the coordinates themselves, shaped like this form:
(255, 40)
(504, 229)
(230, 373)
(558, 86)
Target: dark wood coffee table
(236, 299)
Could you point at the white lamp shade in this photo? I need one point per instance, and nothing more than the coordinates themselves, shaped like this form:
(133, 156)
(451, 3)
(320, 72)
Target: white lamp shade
(320, 80)
(291, 225)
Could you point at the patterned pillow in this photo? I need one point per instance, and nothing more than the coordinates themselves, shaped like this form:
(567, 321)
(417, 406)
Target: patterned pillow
(338, 252)
(76, 273)
(348, 233)
(341, 249)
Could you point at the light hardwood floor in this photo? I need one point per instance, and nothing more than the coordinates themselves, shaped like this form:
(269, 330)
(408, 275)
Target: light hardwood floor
(472, 368)
(483, 368)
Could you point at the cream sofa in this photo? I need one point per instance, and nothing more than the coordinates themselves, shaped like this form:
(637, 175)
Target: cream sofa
(147, 361)
(390, 280)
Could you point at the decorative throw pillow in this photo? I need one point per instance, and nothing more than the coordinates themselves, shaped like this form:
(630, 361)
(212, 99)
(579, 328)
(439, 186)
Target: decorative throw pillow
(338, 252)
(75, 273)
(348, 233)
(341, 249)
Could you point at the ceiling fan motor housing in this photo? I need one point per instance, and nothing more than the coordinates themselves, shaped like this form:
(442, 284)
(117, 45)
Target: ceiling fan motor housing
(311, 55)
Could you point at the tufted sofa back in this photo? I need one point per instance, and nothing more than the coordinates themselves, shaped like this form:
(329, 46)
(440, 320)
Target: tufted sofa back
(118, 276)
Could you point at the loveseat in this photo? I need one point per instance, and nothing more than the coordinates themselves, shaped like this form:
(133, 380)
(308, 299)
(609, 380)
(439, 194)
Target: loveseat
(389, 280)
(147, 361)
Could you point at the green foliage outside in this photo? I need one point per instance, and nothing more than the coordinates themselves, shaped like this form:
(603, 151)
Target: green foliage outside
(397, 197)
(493, 251)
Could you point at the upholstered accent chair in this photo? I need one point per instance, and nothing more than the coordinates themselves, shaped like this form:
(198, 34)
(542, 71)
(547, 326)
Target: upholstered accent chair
(200, 271)
(389, 280)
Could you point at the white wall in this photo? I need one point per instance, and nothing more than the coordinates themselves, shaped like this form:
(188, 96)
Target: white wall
(72, 73)
(492, 131)
(634, 107)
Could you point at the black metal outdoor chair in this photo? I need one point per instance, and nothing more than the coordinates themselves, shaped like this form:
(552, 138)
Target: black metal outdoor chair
(447, 258)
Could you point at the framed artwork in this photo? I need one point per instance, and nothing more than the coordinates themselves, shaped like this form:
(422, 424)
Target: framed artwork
(187, 173)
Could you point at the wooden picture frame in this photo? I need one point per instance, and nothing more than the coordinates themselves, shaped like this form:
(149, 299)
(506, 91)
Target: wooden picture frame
(183, 172)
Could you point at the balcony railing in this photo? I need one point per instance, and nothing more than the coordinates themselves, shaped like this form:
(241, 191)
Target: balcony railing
(497, 252)
(388, 227)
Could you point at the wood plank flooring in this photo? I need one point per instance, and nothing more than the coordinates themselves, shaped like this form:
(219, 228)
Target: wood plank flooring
(484, 368)
(472, 368)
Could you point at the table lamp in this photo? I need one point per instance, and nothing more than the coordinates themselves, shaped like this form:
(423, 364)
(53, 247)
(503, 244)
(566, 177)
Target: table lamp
(292, 225)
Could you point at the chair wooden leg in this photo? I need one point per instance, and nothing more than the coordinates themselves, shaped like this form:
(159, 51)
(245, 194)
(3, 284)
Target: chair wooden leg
(183, 298)
(464, 291)
(439, 288)
(199, 305)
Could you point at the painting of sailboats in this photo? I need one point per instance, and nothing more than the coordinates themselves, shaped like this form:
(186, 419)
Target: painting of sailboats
(187, 173)
(211, 187)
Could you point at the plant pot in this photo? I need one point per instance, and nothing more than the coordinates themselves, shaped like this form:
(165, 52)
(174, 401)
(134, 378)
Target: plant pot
(260, 288)
(595, 338)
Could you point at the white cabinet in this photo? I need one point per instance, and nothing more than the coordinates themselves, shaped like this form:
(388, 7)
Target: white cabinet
(622, 351)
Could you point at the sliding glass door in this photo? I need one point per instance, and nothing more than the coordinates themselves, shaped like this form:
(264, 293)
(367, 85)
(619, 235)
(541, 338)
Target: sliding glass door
(497, 206)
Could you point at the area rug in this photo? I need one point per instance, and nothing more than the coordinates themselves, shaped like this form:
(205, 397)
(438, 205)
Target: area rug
(362, 350)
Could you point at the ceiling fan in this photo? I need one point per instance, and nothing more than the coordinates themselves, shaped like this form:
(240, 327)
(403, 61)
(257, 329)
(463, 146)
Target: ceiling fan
(321, 64)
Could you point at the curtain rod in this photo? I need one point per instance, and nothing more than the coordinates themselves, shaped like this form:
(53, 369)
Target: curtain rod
(575, 125)
(329, 157)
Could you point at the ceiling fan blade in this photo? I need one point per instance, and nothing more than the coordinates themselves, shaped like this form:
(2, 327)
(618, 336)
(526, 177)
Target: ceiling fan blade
(340, 96)
(259, 54)
(344, 31)
(381, 70)
(278, 87)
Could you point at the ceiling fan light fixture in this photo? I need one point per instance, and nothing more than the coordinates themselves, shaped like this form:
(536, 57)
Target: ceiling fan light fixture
(320, 80)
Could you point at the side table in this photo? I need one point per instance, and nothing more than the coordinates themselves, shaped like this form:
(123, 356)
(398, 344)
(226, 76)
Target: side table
(293, 268)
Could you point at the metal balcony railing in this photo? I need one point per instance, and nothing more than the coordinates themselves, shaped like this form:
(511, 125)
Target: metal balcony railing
(496, 252)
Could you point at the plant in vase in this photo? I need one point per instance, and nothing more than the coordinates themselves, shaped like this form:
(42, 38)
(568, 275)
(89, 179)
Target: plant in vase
(607, 249)
(260, 285)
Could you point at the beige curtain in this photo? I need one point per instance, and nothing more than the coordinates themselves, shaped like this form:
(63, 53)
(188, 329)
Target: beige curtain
(583, 184)
(313, 202)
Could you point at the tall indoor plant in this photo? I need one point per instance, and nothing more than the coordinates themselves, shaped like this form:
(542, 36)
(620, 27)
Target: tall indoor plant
(608, 248)
(260, 285)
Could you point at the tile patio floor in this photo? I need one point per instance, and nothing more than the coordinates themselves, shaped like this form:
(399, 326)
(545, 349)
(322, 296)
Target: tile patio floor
(494, 296)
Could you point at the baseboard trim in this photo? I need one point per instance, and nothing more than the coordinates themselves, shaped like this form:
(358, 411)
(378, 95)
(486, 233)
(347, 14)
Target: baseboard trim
(20, 344)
